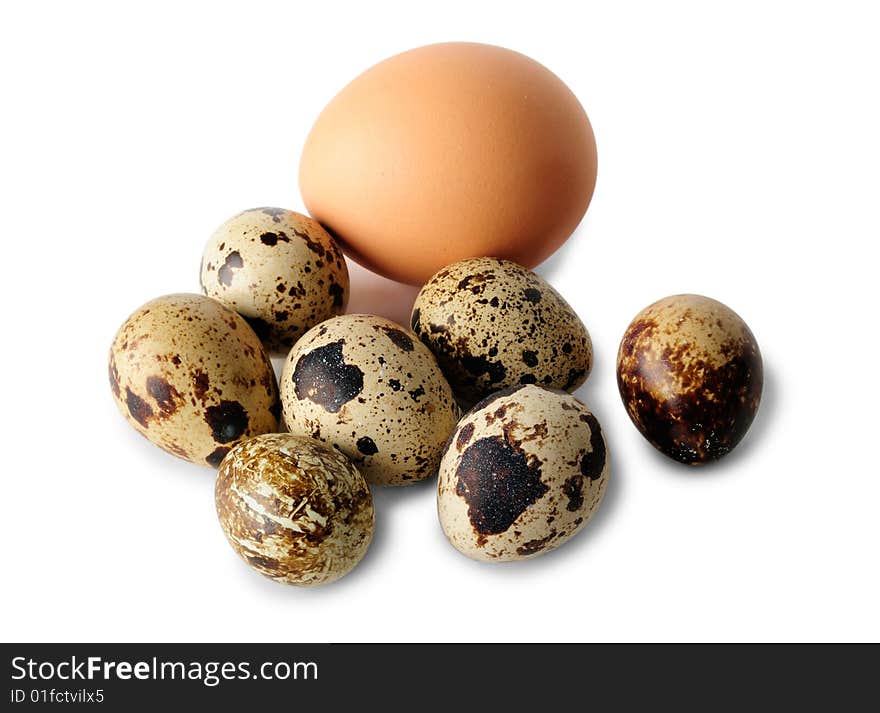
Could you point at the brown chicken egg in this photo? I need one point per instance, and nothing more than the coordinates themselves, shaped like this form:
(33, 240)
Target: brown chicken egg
(690, 375)
(446, 152)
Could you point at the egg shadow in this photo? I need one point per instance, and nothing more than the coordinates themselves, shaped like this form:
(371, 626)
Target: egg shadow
(384, 498)
(373, 294)
(765, 420)
(551, 267)
(278, 366)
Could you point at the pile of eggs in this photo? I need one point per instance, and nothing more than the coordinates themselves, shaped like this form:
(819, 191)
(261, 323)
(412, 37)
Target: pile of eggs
(457, 167)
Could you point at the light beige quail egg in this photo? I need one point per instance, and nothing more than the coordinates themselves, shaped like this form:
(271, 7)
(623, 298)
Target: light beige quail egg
(524, 471)
(191, 376)
(492, 324)
(279, 269)
(369, 387)
(295, 509)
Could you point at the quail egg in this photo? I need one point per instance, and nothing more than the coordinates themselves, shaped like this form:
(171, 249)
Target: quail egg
(294, 509)
(523, 472)
(492, 324)
(279, 269)
(690, 375)
(369, 387)
(191, 376)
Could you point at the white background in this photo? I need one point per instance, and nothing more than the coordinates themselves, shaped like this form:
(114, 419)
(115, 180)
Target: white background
(739, 158)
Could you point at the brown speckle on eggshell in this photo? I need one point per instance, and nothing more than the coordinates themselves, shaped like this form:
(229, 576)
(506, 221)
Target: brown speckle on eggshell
(277, 268)
(295, 509)
(492, 324)
(523, 472)
(191, 376)
(369, 387)
(690, 374)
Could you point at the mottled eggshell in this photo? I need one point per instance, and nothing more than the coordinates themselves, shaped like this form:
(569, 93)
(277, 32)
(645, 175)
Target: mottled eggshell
(524, 471)
(294, 509)
(446, 152)
(690, 374)
(369, 387)
(191, 376)
(279, 269)
(492, 324)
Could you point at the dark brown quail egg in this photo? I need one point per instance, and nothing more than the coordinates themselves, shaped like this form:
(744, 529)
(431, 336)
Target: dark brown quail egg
(690, 375)
(294, 509)
(191, 376)
(523, 472)
(369, 387)
(279, 269)
(492, 324)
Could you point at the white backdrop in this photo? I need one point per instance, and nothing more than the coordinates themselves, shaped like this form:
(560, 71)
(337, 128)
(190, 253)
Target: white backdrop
(738, 158)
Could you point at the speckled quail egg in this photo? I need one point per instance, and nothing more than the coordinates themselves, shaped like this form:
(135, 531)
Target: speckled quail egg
(191, 376)
(492, 324)
(294, 509)
(369, 387)
(523, 472)
(279, 269)
(690, 375)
